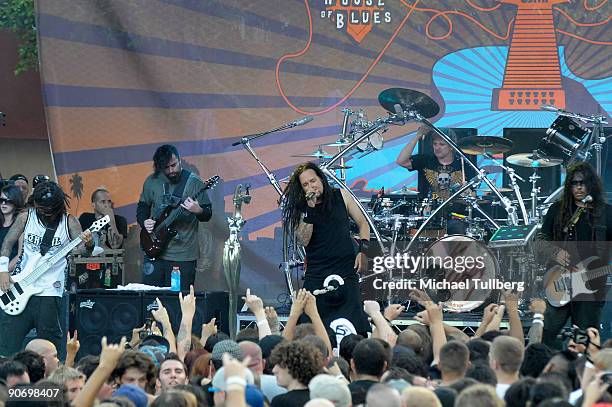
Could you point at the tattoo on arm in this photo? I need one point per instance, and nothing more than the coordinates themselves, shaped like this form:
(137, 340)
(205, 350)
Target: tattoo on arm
(535, 333)
(74, 229)
(303, 233)
(12, 236)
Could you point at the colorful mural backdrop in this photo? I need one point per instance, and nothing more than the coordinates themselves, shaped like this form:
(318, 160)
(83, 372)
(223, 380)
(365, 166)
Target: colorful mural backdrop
(122, 77)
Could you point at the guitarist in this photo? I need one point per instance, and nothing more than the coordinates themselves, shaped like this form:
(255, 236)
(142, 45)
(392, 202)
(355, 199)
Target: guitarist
(172, 186)
(580, 215)
(46, 227)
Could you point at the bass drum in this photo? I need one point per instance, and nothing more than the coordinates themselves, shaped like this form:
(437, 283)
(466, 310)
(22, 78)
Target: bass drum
(458, 272)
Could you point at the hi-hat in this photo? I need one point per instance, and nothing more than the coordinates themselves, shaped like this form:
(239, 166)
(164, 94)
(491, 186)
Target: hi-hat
(403, 191)
(479, 145)
(501, 189)
(409, 100)
(531, 160)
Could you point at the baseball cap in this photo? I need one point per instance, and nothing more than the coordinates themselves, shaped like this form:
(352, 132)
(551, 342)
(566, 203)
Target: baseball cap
(133, 393)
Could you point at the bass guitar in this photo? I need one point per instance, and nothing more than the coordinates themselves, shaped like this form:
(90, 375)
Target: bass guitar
(155, 242)
(14, 301)
(563, 285)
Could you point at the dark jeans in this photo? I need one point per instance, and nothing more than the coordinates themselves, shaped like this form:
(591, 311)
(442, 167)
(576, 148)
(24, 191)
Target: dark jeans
(157, 272)
(42, 313)
(584, 314)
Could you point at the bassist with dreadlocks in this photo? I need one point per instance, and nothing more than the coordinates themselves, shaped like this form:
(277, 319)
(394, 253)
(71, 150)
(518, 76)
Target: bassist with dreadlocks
(318, 215)
(46, 229)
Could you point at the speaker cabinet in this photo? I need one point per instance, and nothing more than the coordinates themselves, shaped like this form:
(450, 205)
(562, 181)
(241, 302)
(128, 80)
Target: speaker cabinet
(98, 313)
(525, 140)
(209, 304)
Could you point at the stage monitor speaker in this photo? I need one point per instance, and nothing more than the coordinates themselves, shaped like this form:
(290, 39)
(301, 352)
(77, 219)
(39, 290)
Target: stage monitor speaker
(525, 140)
(98, 313)
(209, 304)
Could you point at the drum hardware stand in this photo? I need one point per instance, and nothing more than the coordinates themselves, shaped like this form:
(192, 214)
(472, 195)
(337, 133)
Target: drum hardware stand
(513, 177)
(507, 204)
(535, 218)
(379, 124)
(598, 138)
(474, 204)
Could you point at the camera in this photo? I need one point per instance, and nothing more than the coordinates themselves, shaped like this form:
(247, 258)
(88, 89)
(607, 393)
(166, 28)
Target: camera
(147, 329)
(579, 336)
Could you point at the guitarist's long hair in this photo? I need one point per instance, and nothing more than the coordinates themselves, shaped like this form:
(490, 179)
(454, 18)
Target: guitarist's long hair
(293, 201)
(50, 196)
(593, 187)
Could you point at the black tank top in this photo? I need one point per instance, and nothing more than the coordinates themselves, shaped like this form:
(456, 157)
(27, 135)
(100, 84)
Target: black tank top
(331, 249)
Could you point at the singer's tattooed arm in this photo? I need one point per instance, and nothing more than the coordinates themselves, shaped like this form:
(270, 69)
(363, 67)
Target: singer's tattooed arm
(13, 234)
(303, 233)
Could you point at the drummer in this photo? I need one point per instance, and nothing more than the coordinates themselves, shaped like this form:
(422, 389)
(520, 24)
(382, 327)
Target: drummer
(440, 174)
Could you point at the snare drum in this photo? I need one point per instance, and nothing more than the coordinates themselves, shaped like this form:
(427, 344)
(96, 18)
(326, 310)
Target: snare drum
(374, 142)
(457, 270)
(565, 139)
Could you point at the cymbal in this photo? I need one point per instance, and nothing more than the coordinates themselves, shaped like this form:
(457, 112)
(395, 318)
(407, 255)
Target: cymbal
(531, 160)
(479, 145)
(409, 100)
(502, 189)
(340, 167)
(322, 155)
(337, 143)
(403, 191)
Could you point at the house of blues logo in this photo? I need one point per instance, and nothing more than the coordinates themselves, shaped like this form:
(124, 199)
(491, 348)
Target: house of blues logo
(357, 17)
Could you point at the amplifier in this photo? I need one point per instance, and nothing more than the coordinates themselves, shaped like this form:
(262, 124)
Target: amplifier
(104, 271)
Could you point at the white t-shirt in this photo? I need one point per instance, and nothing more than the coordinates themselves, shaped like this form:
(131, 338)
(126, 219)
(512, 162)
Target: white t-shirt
(501, 389)
(52, 280)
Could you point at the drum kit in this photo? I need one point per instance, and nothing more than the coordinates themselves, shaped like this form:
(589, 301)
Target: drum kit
(403, 221)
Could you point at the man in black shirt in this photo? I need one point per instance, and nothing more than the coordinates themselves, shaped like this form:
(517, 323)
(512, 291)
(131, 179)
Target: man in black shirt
(576, 228)
(368, 363)
(438, 173)
(113, 234)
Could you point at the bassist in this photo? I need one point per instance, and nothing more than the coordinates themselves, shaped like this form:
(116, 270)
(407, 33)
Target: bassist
(46, 227)
(172, 186)
(576, 228)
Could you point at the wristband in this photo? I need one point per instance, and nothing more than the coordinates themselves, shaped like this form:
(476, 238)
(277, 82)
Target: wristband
(537, 321)
(263, 321)
(538, 316)
(235, 380)
(589, 365)
(364, 244)
(4, 263)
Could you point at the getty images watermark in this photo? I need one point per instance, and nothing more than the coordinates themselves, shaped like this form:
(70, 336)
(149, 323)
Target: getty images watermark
(440, 273)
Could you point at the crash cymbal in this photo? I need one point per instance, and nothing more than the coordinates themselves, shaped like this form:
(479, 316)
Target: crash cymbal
(479, 145)
(409, 100)
(531, 160)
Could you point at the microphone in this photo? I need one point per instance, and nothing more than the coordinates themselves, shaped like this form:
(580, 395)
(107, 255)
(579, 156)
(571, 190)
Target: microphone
(300, 122)
(587, 199)
(310, 195)
(576, 216)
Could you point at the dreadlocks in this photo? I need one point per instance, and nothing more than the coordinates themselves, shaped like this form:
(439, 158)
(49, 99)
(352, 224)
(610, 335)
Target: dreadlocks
(594, 188)
(50, 199)
(293, 200)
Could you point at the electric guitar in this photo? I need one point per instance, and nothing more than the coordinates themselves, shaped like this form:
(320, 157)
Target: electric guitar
(24, 286)
(559, 279)
(155, 242)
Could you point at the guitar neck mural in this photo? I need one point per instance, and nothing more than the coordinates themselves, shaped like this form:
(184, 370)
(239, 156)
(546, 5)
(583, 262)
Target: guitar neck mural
(532, 76)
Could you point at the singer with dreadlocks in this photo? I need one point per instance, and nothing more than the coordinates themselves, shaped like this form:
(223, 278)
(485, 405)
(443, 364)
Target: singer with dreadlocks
(318, 215)
(577, 228)
(46, 228)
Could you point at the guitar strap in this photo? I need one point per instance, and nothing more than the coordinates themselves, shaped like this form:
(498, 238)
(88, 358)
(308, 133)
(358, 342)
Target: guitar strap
(47, 239)
(180, 187)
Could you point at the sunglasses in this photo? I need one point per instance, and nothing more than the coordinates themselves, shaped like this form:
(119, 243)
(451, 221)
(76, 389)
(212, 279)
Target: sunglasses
(577, 183)
(6, 201)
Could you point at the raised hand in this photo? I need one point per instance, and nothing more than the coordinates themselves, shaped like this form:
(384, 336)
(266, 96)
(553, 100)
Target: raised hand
(110, 353)
(423, 317)
(537, 306)
(421, 297)
(234, 367)
(160, 314)
(188, 303)
(208, 330)
(252, 301)
(299, 302)
(393, 311)
(72, 344)
(310, 307)
(371, 307)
